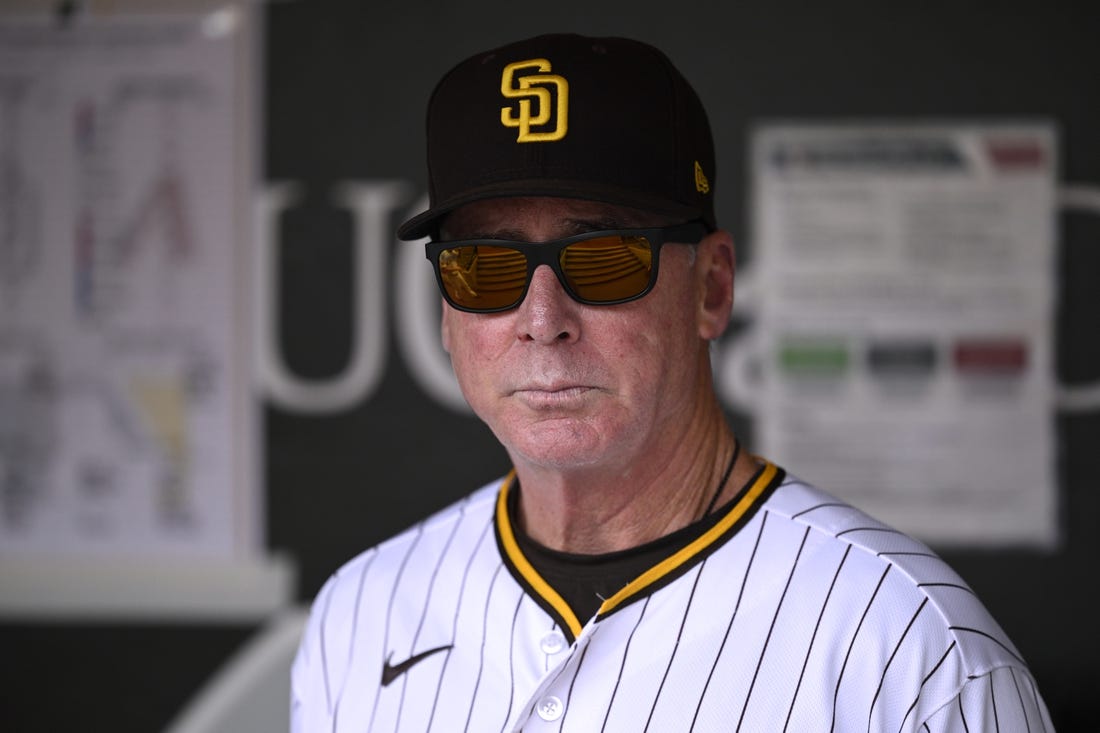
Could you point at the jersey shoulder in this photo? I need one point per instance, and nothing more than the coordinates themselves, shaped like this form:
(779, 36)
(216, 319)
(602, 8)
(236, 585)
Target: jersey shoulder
(439, 523)
(916, 570)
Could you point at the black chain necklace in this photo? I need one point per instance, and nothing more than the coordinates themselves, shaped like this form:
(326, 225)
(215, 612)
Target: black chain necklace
(725, 477)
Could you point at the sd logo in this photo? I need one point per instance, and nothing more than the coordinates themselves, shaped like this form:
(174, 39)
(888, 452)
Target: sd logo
(524, 88)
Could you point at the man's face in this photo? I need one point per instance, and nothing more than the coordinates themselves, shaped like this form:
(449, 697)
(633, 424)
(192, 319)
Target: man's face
(566, 385)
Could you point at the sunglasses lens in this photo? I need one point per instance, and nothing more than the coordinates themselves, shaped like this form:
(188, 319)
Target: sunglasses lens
(607, 269)
(482, 277)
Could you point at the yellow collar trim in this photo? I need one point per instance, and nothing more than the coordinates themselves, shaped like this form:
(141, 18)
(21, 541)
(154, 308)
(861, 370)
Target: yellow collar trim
(519, 560)
(672, 562)
(657, 572)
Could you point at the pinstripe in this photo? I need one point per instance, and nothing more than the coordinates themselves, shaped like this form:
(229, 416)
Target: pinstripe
(622, 665)
(484, 636)
(1035, 699)
(530, 708)
(947, 585)
(962, 714)
(454, 623)
(993, 703)
(572, 682)
(771, 628)
(852, 642)
(427, 605)
(679, 636)
(355, 609)
(994, 639)
(885, 530)
(1020, 698)
(512, 663)
(733, 617)
(324, 656)
(817, 627)
(923, 682)
(389, 607)
(354, 631)
(890, 660)
(815, 507)
(1035, 692)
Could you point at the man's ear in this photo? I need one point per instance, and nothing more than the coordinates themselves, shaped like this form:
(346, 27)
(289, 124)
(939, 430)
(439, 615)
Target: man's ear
(715, 266)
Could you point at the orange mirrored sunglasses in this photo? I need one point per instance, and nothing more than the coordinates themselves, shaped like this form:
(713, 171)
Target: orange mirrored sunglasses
(595, 268)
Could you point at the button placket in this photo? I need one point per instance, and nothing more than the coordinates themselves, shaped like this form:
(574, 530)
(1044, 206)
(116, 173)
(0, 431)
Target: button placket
(543, 703)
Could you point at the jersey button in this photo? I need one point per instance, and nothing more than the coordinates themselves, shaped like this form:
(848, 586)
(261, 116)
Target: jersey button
(550, 708)
(552, 643)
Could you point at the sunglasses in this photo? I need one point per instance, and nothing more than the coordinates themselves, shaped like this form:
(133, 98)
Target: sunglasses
(596, 268)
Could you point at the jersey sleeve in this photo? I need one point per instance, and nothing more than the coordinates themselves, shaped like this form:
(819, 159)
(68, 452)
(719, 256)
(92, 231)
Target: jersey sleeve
(309, 687)
(1005, 699)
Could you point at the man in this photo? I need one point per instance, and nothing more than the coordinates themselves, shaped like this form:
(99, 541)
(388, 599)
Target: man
(638, 569)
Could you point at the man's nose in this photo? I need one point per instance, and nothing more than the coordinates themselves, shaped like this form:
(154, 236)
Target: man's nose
(547, 314)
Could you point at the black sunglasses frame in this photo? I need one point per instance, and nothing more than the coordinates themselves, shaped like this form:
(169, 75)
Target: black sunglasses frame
(549, 254)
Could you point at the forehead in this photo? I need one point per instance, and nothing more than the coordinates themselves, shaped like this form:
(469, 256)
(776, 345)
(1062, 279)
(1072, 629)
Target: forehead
(524, 217)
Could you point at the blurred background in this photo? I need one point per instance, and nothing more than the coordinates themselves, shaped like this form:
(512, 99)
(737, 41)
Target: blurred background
(219, 372)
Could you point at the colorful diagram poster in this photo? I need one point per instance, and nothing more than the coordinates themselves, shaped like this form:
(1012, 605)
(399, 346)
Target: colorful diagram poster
(126, 423)
(905, 279)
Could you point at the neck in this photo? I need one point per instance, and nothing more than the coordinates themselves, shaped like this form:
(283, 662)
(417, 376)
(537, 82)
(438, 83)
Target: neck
(595, 510)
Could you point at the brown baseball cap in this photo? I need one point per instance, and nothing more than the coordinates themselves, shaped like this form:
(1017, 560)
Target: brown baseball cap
(602, 119)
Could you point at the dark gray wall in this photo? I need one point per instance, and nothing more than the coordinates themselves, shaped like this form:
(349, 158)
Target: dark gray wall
(346, 83)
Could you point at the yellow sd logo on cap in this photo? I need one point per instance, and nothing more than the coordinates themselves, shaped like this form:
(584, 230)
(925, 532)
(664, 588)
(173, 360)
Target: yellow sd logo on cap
(524, 88)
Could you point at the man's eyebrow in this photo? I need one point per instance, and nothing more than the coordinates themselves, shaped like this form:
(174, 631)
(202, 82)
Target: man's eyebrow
(580, 226)
(570, 227)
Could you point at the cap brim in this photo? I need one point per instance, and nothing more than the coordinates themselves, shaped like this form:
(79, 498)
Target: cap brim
(427, 222)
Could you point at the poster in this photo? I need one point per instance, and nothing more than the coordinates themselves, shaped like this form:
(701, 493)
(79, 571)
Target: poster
(905, 277)
(126, 410)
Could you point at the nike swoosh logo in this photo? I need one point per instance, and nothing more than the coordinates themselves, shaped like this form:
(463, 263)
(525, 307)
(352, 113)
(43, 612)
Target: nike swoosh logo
(392, 672)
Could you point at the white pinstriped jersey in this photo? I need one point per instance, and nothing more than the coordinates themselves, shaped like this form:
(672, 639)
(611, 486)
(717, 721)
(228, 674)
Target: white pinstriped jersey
(795, 612)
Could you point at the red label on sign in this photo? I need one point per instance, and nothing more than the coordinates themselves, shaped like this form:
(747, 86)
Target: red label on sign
(990, 355)
(1015, 154)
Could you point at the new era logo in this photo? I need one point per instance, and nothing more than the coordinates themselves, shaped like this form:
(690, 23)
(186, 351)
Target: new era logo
(702, 185)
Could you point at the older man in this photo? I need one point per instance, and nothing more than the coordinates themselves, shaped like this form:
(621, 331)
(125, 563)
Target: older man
(638, 569)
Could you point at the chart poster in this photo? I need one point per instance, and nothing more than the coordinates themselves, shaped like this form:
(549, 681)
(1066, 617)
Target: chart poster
(905, 289)
(125, 423)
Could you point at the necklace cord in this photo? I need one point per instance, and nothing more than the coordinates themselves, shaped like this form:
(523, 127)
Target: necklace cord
(725, 477)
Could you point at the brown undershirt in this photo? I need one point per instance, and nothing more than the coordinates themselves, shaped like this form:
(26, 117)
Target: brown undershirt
(585, 580)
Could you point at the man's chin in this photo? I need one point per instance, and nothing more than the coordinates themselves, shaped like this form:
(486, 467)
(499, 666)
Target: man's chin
(560, 443)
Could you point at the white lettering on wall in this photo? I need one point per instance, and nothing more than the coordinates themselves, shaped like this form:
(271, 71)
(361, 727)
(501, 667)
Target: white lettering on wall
(372, 205)
(417, 321)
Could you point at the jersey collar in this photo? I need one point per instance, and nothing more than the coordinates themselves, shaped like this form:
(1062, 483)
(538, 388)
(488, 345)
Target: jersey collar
(737, 513)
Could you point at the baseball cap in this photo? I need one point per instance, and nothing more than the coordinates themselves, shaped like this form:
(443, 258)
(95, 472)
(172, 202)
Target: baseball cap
(602, 119)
